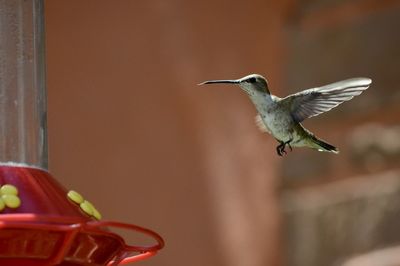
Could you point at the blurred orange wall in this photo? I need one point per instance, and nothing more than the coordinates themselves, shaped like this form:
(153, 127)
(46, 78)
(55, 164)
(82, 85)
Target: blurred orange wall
(133, 133)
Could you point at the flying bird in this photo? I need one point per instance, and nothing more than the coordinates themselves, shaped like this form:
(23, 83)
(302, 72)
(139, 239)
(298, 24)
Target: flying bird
(282, 117)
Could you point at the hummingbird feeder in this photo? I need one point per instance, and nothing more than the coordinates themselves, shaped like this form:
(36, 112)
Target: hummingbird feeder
(41, 223)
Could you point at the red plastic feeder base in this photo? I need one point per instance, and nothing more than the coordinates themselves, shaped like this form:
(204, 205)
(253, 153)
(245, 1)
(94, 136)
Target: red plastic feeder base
(47, 228)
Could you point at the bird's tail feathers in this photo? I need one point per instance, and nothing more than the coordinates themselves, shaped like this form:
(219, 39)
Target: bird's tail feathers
(323, 146)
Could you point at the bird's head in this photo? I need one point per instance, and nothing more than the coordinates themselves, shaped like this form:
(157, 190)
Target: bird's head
(252, 84)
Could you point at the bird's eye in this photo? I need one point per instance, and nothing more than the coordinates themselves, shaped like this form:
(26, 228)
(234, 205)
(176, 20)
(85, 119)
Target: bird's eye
(252, 80)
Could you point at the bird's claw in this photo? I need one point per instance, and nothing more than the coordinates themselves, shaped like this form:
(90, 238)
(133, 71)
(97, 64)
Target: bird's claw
(290, 147)
(280, 149)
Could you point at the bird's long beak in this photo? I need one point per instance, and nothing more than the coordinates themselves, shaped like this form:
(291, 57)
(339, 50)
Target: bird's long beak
(226, 81)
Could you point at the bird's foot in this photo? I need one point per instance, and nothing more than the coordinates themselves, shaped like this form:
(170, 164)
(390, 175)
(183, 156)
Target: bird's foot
(288, 143)
(280, 149)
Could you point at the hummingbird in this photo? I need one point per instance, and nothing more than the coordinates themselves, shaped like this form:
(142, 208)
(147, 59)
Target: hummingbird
(282, 117)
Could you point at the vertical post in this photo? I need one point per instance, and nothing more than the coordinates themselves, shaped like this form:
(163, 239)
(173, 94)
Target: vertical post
(23, 129)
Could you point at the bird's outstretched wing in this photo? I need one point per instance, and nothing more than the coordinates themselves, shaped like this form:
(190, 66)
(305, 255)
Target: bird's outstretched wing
(315, 101)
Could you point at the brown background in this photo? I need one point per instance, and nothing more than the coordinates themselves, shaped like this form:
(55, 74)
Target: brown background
(130, 129)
